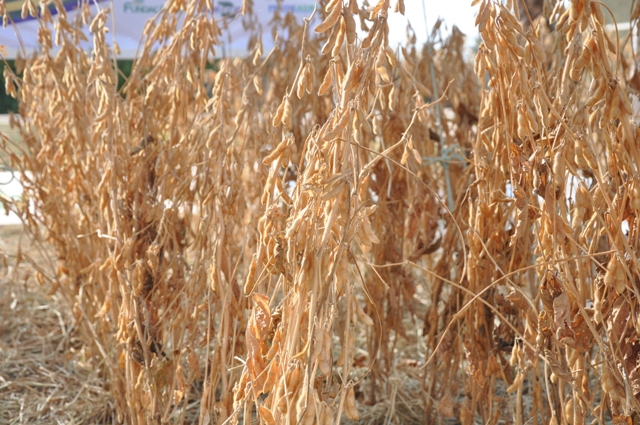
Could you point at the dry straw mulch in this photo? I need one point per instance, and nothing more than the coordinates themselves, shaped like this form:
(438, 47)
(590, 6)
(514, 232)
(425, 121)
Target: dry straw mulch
(45, 375)
(360, 234)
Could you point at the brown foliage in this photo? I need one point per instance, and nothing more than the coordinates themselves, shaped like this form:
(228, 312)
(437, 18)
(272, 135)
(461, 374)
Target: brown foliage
(271, 245)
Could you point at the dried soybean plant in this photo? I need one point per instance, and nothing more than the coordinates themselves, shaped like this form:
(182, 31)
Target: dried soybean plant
(332, 299)
(556, 131)
(141, 194)
(288, 241)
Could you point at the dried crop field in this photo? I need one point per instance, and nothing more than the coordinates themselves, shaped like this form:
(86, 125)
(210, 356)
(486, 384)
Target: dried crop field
(361, 235)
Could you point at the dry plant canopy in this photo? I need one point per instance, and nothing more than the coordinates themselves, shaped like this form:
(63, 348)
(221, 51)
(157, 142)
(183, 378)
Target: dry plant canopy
(340, 230)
